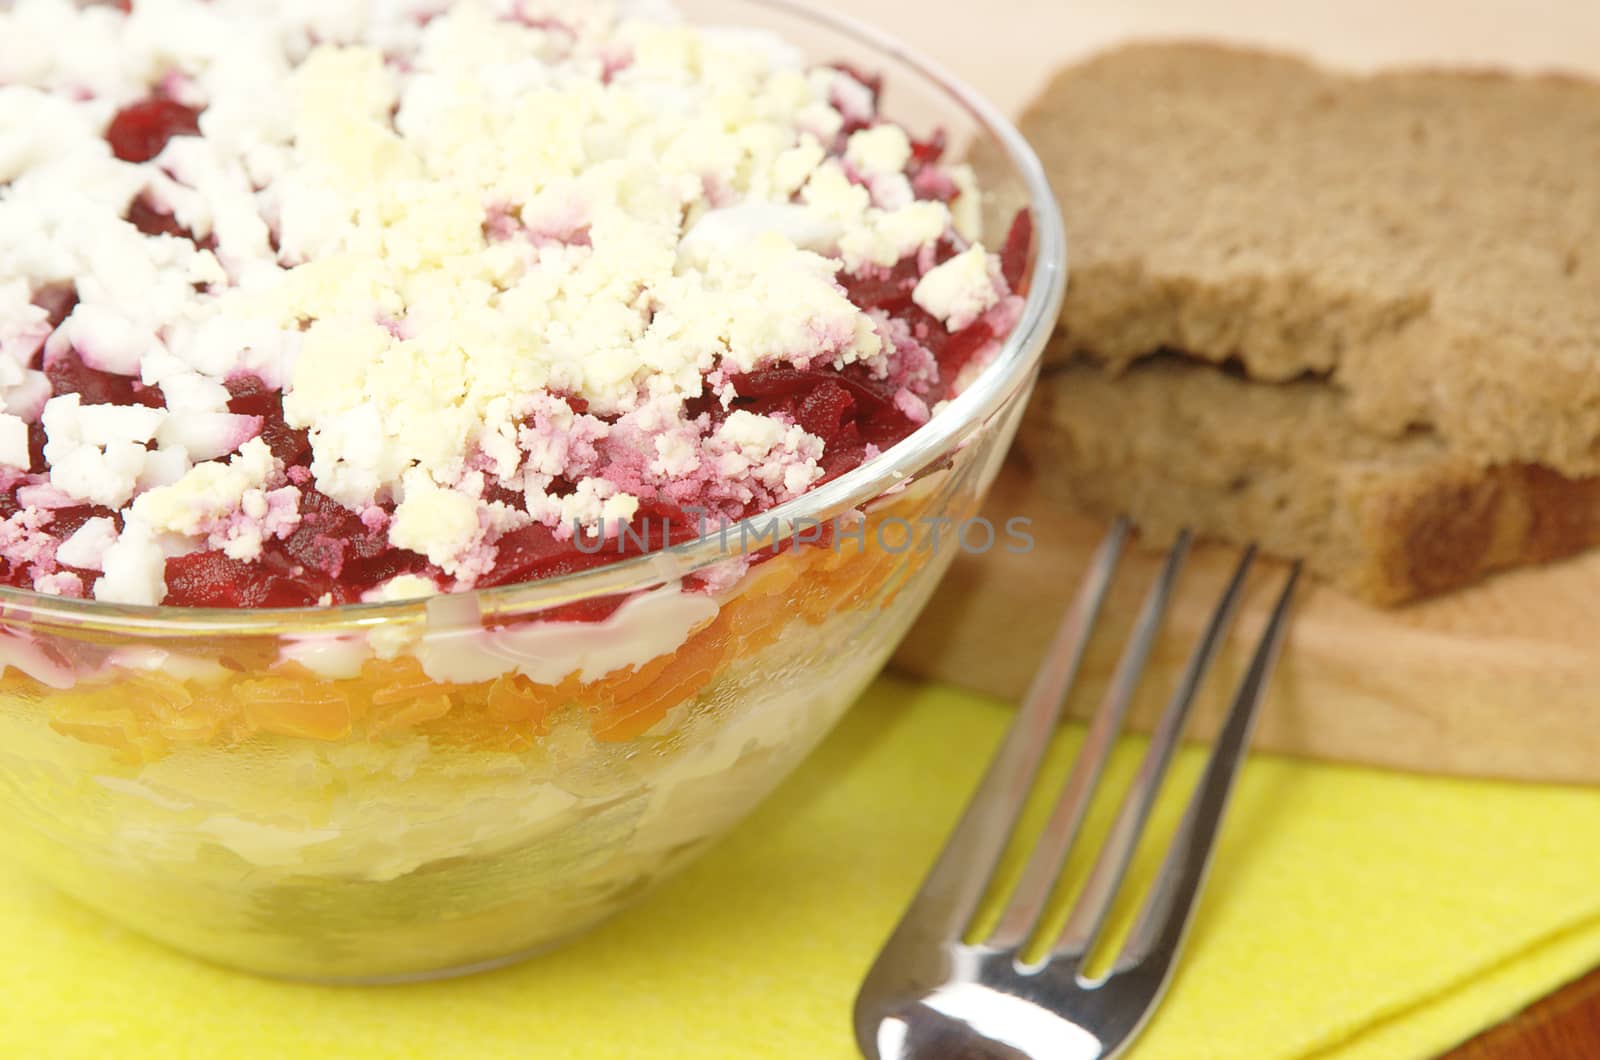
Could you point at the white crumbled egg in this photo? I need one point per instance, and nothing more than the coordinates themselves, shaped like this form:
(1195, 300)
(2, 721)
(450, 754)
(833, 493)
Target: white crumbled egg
(226, 503)
(871, 235)
(763, 296)
(718, 232)
(135, 567)
(675, 455)
(782, 458)
(23, 325)
(440, 523)
(886, 236)
(961, 290)
(97, 452)
(86, 548)
(409, 226)
(207, 490)
(598, 503)
(403, 587)
(881, 149)
(13, 441)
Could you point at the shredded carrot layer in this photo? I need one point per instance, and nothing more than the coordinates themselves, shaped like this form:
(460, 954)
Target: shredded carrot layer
(144, 715)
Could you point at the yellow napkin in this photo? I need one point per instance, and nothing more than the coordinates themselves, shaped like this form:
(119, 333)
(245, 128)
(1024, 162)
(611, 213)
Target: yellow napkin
(1350, 914)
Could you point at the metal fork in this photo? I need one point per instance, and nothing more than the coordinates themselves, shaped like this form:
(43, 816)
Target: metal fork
(932, 995)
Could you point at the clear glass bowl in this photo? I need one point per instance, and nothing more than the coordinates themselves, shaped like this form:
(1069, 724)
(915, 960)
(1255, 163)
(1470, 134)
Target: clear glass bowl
(396, 791)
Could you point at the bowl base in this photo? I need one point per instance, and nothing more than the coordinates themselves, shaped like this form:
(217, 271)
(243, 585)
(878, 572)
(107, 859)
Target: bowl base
(431, 975)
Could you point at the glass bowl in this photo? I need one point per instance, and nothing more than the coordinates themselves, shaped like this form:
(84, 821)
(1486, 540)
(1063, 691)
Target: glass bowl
(405, 790)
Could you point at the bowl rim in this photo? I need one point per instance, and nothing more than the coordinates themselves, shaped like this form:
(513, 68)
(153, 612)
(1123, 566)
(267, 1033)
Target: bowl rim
(995, 384)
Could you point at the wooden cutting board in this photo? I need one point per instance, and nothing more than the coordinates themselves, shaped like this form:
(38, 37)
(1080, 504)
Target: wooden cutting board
(1502, 680)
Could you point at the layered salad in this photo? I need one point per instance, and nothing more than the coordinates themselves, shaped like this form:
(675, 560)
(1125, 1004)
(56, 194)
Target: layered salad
(314, 304)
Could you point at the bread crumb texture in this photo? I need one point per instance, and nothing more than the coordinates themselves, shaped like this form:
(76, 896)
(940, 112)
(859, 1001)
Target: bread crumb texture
(1411, 260)
(1427, 240)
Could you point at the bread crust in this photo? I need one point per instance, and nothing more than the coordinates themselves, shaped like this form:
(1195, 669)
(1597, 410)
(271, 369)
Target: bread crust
(1173, 443)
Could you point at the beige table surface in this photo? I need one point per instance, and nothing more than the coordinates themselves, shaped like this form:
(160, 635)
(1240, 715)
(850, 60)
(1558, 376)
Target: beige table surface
(1007, 48)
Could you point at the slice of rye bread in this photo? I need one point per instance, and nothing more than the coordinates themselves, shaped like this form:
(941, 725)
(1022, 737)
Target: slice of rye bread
(1174, 444)
(1429, 241)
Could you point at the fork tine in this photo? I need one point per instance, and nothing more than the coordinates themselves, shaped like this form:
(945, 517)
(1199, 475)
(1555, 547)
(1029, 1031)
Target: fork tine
(952, 889)
(1028, 900)
(1088, 917)
(1153, 943)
